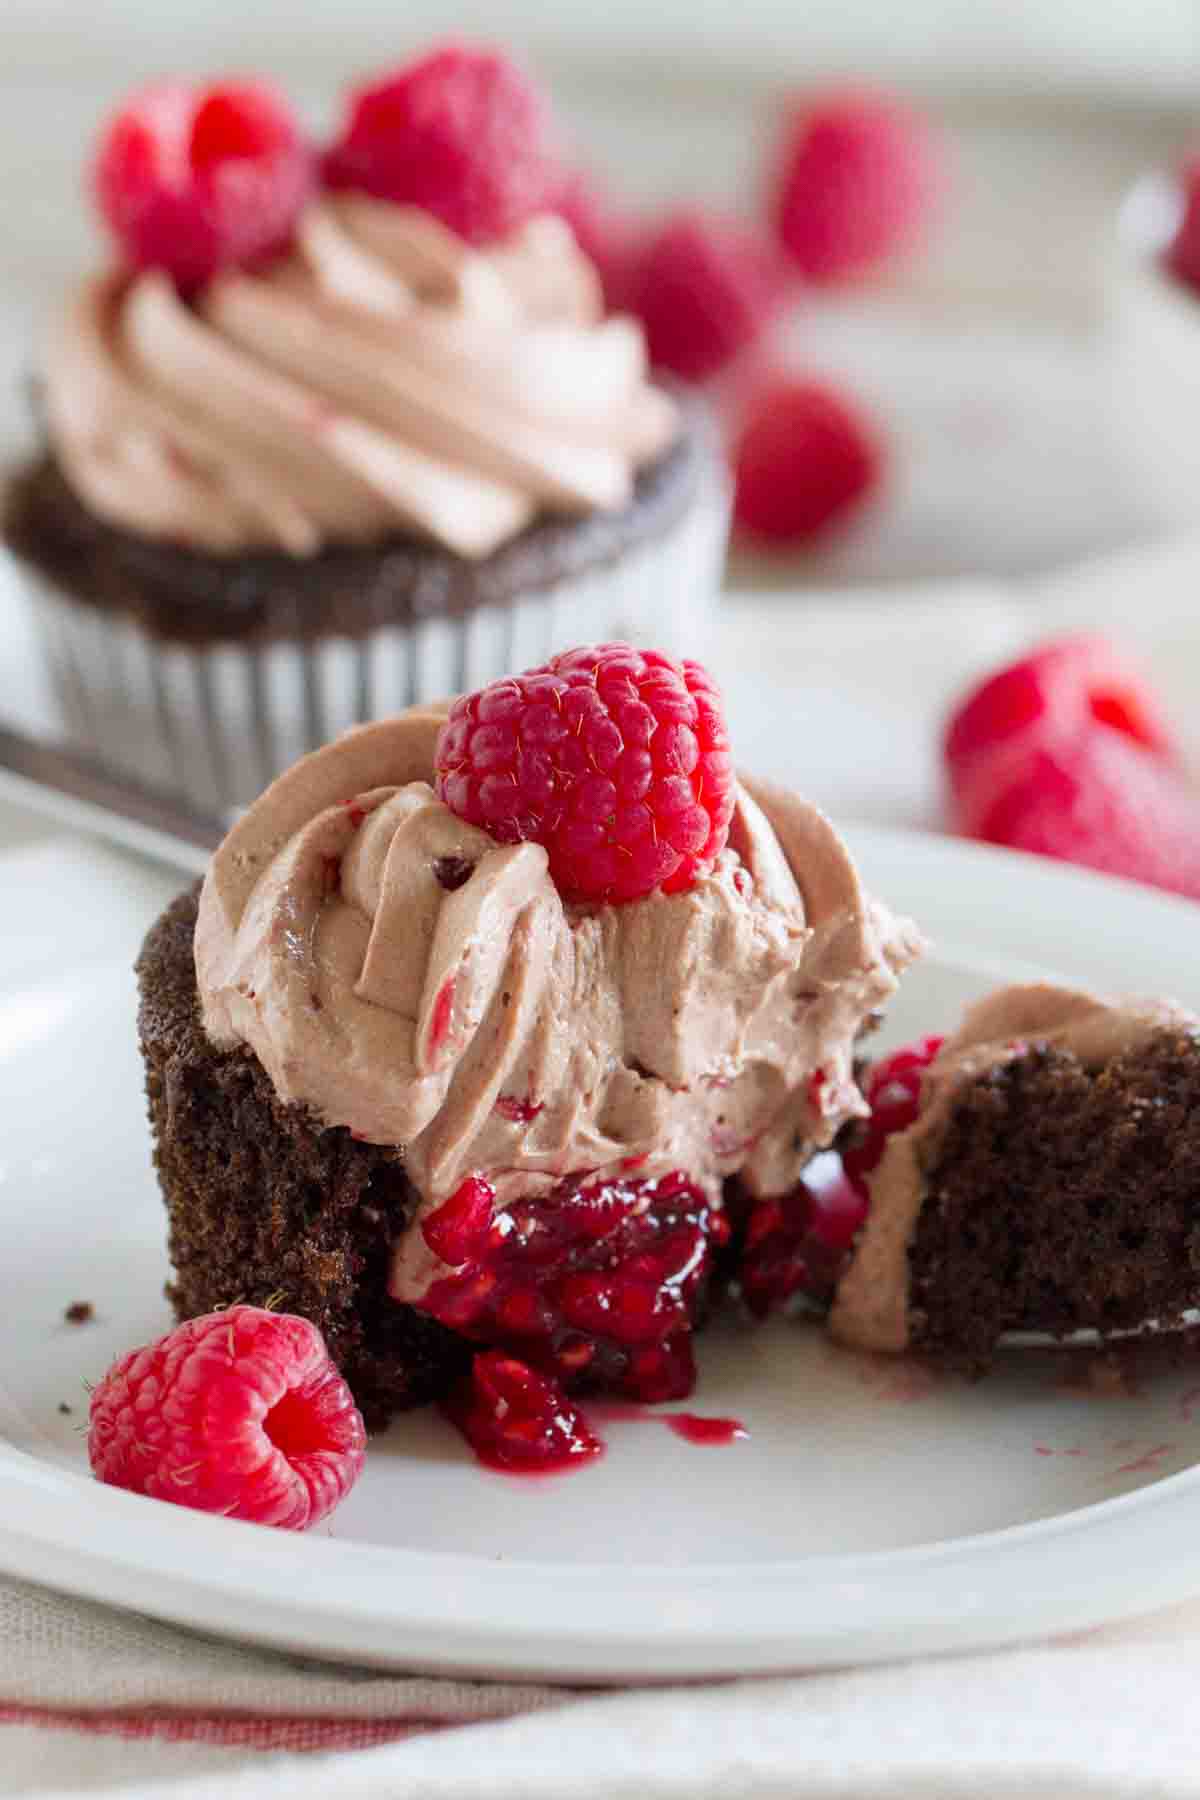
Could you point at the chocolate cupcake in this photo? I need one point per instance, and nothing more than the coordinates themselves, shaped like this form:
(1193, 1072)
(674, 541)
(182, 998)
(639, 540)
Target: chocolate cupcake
(405, 1082)
(287, 490)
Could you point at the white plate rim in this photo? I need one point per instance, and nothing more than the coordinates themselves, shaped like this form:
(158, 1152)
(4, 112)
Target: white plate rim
(391, 1607)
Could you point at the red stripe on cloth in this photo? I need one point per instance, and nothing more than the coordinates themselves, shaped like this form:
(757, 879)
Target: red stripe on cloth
(232, 1729)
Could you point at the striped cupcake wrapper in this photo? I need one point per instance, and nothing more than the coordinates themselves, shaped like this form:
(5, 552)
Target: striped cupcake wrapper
(213, 725)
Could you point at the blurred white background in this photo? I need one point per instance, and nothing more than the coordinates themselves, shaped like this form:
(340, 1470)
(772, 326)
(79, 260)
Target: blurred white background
(981, 359)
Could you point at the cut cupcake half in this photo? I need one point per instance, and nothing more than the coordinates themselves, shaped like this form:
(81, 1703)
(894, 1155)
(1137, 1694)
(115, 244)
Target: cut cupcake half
(1048, 1189)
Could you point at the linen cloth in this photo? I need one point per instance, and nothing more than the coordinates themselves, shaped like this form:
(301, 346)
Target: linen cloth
(96, 1701)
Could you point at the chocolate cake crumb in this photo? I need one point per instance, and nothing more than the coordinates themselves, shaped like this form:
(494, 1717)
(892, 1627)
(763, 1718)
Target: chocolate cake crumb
(266, 1205)
(63, 1407)
(80, 1312)
(1062, 1198)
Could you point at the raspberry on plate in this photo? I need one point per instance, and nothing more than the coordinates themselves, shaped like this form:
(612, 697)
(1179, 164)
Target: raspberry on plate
(462, 133)
(854, 182)
(1065, 753)
(705, 288)
(1065, 687)
(804, 458)
(239, 1412)
(1101, 801)
(616, 760)
(198, 179)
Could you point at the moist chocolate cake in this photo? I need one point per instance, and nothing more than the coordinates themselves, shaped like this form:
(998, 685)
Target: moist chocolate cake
(1063, 1197)
(1050, 1185)
(186, 596)
(265, 1206)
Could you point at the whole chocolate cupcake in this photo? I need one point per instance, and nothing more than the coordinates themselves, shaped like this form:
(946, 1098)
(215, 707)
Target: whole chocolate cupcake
(474, 1066)
(317, 454)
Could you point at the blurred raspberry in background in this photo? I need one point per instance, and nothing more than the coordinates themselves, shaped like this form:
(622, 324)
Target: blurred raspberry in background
(1067, 754)
(850, 186)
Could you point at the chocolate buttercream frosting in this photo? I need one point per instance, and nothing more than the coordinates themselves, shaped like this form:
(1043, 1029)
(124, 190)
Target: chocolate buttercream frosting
(400, 974)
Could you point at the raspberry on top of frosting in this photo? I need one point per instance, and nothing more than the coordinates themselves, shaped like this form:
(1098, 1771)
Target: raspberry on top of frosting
(617, 760)
(462, 132)
(402, 974)
(193, 179)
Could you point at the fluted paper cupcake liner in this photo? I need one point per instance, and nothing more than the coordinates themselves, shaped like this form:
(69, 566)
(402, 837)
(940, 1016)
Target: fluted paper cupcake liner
(214, 724)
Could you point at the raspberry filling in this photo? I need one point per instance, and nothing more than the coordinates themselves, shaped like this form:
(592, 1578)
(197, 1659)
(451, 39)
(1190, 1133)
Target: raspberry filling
(595, 1283)
(517, 1420)
(798, 1242)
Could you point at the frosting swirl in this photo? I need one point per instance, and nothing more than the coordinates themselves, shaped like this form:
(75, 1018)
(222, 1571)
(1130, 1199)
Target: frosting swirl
(402, 975)
(384, 377)
(871, 1305)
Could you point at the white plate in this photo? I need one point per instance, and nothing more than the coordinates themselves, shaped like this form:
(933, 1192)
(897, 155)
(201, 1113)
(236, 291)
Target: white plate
(872, 1512)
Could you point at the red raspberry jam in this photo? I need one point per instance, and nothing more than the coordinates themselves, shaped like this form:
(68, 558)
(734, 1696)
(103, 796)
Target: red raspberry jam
(595, 1283)
(519, 1421)
(798, 1242)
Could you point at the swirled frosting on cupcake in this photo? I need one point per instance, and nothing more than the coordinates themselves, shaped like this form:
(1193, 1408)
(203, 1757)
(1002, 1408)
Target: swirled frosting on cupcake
(384, 378)
(401, 974)
(871, 1307)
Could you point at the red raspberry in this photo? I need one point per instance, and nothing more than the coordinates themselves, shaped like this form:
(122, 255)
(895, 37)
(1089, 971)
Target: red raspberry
(704, 288)
(804, 458)
(1067, 687)
(855, 178)
(616, 759)
(1183, 254)
(1100, 800)
(239, 1412)
(519, 1421)
(194, 179)
(462, 132)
